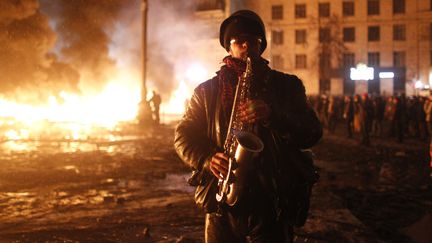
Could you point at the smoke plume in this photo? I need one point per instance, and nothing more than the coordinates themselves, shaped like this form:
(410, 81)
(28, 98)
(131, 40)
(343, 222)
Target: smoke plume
(172, 36)
(75, 45)
(85, 29)
(26, 39)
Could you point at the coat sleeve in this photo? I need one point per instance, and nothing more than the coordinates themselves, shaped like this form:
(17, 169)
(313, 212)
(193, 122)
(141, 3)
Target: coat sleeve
(191, 142)
(292, 116)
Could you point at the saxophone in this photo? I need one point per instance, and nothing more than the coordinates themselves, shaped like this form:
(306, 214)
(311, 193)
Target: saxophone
(241, 145)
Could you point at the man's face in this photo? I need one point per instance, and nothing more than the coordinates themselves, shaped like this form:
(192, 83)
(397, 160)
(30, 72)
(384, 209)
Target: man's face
(246, 45)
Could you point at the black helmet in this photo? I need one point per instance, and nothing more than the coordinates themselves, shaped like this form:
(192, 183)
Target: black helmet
(242, 22)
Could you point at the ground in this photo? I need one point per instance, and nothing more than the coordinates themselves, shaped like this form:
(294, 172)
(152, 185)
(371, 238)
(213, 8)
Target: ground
(135, 190)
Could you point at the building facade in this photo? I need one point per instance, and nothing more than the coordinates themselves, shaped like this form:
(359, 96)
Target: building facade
(322, 40)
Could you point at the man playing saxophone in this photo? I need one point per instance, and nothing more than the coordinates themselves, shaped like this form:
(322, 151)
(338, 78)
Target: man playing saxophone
(276, 110)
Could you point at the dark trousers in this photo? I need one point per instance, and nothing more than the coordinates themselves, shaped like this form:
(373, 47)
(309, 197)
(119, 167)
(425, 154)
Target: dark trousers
(255, 227)
(349, 125)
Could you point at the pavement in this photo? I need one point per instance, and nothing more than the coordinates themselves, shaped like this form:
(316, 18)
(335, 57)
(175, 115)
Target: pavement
(134, 190)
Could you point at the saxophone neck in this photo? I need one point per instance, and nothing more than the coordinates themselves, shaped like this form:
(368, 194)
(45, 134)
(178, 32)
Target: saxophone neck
(248, 70)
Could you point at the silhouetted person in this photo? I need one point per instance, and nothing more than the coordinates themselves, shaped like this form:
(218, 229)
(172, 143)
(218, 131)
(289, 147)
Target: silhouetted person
(399, 118)
(333, 113)
(155, 101)
(367, 117)
(378, 117)
(348, 115)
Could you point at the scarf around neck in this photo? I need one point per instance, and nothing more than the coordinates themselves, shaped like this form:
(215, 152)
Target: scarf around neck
(229, 75)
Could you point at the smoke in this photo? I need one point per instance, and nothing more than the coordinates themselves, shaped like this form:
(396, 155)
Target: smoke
(85, 29)
(173, 32)
(25, 59)
(48, 46)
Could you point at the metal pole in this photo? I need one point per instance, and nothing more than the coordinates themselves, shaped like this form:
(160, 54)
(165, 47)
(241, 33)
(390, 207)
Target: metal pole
(144, 49)
(145, 114)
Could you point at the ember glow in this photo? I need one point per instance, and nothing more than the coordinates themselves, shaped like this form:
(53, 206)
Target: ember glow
(71, 117)
(82, 81)
(117, 102)
(177, 103)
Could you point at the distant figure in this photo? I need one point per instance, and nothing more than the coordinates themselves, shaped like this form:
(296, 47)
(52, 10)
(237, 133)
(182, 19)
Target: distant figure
(155, 101)
(378, 108)
(367, 117)
(400, 112)
(348, 114)
(332, 113)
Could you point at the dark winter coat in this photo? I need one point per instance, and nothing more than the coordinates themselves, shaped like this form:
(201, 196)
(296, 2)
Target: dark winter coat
(200, 133)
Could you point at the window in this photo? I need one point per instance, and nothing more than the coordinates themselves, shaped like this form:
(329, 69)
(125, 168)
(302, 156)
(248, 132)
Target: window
(430, 58)
(300, 61)
(324, 9)
(300, 11)
(300, 36)
(204, 5)
(399, 32)
(278, 62)
(348, 60)
(373, 7)
(277, 37)
(373, 59)
(373, 33)
(324, 86)
(398, 6)
(430, 32)
(277, 12)
(324, 35)
(399, 59)
(348, 8)
(324, 64)
(349, 34)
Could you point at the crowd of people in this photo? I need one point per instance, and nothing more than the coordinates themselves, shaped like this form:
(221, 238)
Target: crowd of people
(395, 117)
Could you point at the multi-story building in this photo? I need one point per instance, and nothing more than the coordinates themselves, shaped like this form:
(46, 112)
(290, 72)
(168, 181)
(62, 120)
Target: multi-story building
(321, 41)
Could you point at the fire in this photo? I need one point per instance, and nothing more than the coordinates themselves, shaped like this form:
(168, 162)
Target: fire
(76, 115)
(177, 103)
(80, 117)
(117, 102)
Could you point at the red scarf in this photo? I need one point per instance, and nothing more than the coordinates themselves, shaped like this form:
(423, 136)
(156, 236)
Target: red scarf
(229, 76)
